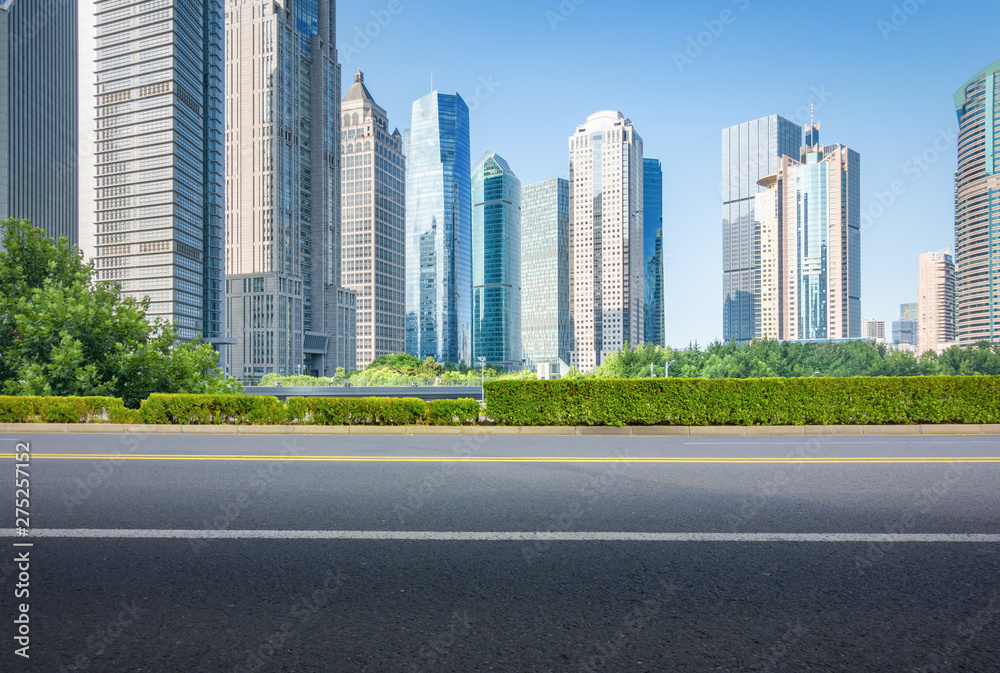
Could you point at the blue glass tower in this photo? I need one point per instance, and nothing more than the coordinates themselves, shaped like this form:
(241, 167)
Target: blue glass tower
(439, 230)
(652, 255)
(496, 262)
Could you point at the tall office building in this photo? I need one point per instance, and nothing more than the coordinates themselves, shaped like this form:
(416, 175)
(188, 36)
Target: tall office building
(808, 241)
(904, 330)
(652, 251)
(373, 219)
(936, 300)
(977, 208)
(439, 230)
(606, 179)
(38, 115)
(152, 196)
(546, 273)
(287, 309)
(750, 152)
(873, 330)
(496, 262)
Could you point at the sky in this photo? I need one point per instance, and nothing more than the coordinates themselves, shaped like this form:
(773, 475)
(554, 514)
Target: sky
(881, 77)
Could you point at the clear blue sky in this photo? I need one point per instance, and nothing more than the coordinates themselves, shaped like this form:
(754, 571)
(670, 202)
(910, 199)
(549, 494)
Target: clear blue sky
(531, 73)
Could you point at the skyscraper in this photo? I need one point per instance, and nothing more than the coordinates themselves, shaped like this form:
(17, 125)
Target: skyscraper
(439, 230)
(936, 300)
(38, 115)
(546, 273)
(873, 330)
(287, 308)
(374, 239)
(606, 179)
(977, 208)
(152, 198)
(808, 241)
(496, 262)
(750, 152)
(904, 330)
(652, 218)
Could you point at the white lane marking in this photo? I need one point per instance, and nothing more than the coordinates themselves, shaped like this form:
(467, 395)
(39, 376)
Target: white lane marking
(499, 536)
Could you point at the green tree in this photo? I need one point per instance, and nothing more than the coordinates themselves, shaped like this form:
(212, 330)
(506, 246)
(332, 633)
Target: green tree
(61, 333)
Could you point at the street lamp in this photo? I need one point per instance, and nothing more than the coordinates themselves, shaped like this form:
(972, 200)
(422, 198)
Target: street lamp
(482, 369)
(815, 374)
(523, 361)
(668, 368)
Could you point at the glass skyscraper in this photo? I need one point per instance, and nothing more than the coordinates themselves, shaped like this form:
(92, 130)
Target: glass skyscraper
(38, 114)
(154, 209)
(496, 262)
(977, 208)
(750, 152)
(439, 230)
(652, 207)
(286, 306)
(546, 273)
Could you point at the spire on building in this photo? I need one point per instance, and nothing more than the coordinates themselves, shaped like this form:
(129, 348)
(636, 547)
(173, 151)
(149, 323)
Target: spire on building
(358, 91)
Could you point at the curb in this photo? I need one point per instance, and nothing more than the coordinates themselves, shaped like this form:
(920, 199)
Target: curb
(501, 431)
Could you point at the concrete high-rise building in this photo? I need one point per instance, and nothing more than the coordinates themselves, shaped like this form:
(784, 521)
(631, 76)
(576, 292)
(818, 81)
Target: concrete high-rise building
(977, 208)
(750, 152)
(439, 230)
(873, 330)
(287, 308)
(496, 262)
(652, 252)
(808, 237)
(936, 300)
(606, 179)
(38, 115)
(546, 273)
(152, 183)
(373, 220)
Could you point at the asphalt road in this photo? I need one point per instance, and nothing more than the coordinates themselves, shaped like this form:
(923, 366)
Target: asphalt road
(423, 554)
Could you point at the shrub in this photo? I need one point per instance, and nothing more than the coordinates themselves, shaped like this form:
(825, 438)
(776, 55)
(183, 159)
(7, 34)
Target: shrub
(454, 412)
(212, 410)
(366, 410)
(28, 409)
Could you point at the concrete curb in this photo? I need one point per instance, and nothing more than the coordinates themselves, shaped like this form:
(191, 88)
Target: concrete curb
(496, 430)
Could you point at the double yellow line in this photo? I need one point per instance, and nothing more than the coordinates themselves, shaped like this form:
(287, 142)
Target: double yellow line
(862, 460)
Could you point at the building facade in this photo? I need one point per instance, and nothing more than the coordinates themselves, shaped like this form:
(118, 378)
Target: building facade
(38, 115)
(439, 230)
(606, 181)
(936, 300)
(904, 330)
(496, 263)
(373, 221)
(652, 252)
(546, 273)
(977, 208)
(750, 152)
(807, 286)
(152, 199)
(287, 309)
(873, 330)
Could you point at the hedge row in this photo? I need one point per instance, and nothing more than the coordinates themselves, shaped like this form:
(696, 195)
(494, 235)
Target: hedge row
(699, 402)
(240, 410)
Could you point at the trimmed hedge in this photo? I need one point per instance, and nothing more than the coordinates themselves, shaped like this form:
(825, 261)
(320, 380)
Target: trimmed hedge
(699, 402)
(27, 409)
(454, 412)
(162, 409)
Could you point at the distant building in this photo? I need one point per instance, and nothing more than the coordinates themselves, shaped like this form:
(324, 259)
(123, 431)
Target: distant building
(808, 241)
(652, 255)
(750, 152)
(38, 115)
(373, 222)
(496, 263)
(936, 302)
(873, 330)
(977, 210)
(904, 330)
(546, 273)
(439, 230)
(606, 179)
(909, 311)
(288, 311)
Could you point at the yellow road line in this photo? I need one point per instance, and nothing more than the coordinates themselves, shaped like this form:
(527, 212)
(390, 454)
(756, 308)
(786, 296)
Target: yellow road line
(515, 459)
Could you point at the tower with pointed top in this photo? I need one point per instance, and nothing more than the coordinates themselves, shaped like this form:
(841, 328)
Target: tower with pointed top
(288, 311)
(373, 216)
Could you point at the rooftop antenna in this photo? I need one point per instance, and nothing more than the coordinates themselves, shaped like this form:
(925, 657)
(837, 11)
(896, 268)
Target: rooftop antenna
(812, 114)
